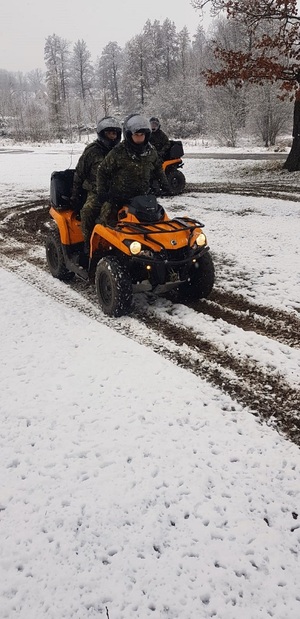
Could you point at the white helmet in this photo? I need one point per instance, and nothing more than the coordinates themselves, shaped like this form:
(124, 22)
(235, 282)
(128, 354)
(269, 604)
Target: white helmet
(105, 124)
(136, 123)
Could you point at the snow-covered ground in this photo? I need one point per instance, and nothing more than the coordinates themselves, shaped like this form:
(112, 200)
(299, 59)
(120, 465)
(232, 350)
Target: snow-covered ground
(129, 487)
(43, 159)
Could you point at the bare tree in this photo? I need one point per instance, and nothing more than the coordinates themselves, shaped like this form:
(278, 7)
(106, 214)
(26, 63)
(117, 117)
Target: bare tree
(153, 35)
(56, 55)
(135, 73)
(184, 47)
(268, 115)
(225, 103)
(109, 69)
(82, 70)
(170, 49)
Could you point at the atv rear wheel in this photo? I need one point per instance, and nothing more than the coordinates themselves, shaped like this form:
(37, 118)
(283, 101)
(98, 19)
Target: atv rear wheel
(176, 180)
(113, 286)
(55, 258)
(200, 282)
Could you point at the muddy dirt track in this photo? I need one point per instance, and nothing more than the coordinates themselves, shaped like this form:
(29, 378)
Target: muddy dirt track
(258, 189)
(266, 394)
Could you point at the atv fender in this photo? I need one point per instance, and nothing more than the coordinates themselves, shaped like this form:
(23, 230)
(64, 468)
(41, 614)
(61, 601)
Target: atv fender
(104, 236)
(176, 163)
(69, 227)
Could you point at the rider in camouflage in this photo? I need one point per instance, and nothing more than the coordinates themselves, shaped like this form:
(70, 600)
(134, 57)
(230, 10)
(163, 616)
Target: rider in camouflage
(108, 135)
(127, 171)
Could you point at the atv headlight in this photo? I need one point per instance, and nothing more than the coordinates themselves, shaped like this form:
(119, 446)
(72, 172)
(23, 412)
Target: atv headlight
(201, 240)
(135, 248)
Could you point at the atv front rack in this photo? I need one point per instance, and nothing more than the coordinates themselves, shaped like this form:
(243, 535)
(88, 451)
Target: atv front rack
(148, 229)
(156, 227)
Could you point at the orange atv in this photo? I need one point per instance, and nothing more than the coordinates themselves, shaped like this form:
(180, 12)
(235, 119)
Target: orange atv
(144, 251)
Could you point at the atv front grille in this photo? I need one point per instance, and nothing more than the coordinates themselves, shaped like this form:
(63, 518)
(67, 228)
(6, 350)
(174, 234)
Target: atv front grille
(176, 255)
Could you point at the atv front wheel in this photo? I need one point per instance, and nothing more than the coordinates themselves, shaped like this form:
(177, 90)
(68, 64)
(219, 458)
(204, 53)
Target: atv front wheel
(176, 180)
(200, 282)
(55, 258)
(113, 286)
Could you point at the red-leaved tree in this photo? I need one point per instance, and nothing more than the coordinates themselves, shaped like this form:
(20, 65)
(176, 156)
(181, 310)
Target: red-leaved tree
(273, 51)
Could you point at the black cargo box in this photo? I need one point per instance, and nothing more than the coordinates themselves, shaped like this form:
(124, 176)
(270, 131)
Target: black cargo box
(176, 149)
(61, 188)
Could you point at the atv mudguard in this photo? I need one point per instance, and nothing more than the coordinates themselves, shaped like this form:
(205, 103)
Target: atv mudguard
(69, 226)
(173, 156)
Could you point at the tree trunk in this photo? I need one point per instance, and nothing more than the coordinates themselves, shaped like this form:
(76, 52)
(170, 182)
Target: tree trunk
(292, 163)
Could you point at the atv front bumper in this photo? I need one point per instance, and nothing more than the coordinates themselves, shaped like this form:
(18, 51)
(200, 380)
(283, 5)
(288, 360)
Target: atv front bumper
(162, 272)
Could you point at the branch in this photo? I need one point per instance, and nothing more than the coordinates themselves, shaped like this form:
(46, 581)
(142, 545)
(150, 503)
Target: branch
(274, 54)
(200, 4)
(253, 11)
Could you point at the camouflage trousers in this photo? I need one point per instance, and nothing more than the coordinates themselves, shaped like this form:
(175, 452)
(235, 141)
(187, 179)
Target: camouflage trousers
(105, 213)
(88, 216)
(89, 213)
(108, 214)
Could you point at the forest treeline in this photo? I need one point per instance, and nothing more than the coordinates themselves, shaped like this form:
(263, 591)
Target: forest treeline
(158, 72)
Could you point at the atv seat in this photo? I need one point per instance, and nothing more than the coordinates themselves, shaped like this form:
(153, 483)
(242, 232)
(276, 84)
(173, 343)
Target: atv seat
(146, 208)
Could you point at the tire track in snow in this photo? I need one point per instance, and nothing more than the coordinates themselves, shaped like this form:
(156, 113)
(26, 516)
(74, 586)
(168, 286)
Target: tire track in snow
(30, 222)
(236, 310)
(265, 394)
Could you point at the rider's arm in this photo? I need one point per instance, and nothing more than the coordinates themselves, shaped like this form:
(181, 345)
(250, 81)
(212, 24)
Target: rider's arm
(104, 172)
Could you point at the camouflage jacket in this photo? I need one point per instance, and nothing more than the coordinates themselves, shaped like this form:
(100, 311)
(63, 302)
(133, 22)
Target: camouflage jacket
(86, 169)
(123, 174)
(160, 140)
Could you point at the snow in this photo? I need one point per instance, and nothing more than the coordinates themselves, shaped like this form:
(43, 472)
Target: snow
(130, 487)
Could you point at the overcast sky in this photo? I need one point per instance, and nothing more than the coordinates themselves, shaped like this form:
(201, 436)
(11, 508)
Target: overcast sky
(25, 25)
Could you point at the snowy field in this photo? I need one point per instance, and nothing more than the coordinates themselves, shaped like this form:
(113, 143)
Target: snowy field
(129, 487)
